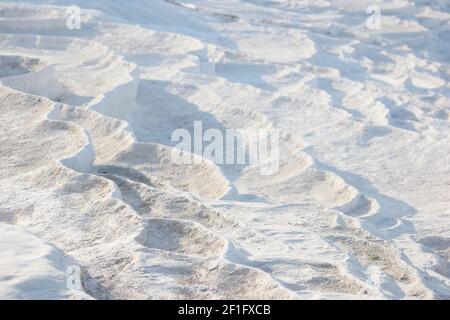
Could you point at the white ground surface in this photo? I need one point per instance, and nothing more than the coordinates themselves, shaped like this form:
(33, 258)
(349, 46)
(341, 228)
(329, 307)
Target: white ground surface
(359, 209)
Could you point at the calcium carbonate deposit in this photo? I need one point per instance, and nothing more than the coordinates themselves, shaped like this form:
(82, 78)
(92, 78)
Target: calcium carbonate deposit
(93, 205)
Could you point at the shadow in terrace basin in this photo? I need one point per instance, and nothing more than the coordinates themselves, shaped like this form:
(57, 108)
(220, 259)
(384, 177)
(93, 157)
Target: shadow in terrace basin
(250, 74)
(73, 99)
(337, 96)
(350, 70)
(388, 221)
(160, 111)
(17, 65)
